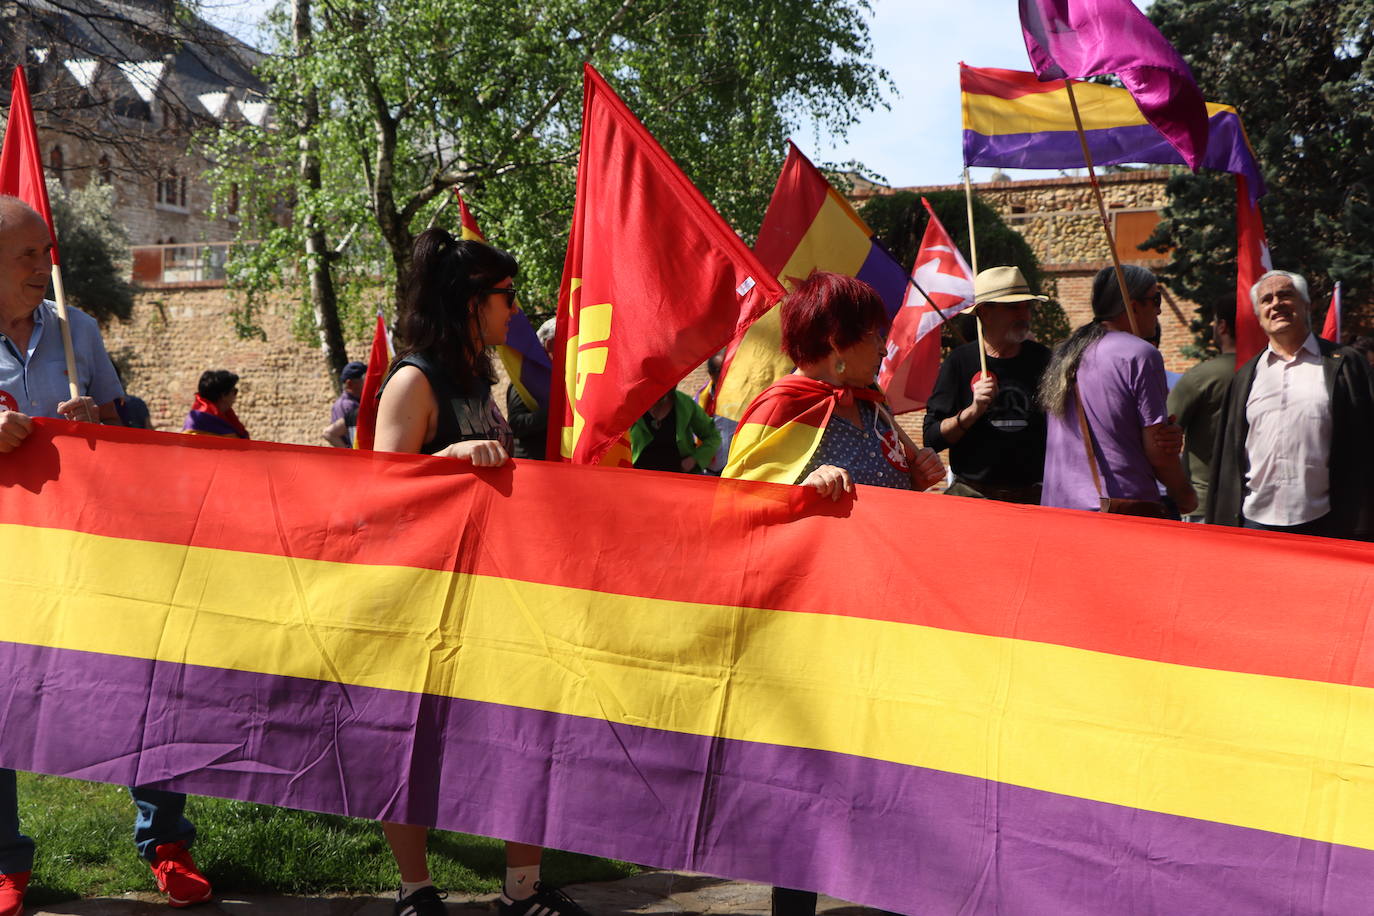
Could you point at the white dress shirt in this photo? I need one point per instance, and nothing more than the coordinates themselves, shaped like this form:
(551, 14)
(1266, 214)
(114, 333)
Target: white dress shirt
(1289, 442)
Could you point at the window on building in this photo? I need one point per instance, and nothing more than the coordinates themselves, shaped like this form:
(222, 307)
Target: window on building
(104, 172)
(171, 190)
(231, 205)
(56, 162)
(1130, 228)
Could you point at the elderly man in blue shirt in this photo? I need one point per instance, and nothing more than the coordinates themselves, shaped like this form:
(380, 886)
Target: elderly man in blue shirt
(33, 383)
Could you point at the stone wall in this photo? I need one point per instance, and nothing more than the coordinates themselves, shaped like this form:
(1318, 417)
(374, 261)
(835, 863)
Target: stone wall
(285, 387)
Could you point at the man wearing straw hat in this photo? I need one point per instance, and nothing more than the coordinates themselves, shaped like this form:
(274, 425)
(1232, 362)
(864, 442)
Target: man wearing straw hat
(992, 425)
(33, 382)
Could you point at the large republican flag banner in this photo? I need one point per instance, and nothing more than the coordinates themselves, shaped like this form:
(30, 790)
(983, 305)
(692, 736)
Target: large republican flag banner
(772, 687)
(654, 283)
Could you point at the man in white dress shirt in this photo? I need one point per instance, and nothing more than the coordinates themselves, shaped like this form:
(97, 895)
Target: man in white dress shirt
(1295, 439)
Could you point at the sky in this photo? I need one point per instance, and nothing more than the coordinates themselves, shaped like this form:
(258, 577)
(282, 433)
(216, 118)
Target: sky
(920, 43)
(918, 141)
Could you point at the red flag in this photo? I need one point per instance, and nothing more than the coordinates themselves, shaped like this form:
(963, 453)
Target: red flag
(21, 164)
(1331, 330)
(1252, 260)
(365, 434)
(654, 282)
(913, 345)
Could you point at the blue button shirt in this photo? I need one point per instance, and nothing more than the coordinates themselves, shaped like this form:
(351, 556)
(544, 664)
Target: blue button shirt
(35, 381)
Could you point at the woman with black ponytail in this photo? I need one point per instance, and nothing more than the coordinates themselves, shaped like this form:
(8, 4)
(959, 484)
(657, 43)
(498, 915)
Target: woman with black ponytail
(437, 401)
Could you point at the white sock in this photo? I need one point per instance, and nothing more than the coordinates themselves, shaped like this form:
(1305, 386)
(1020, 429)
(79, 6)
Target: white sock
(520, 881)
(410, 887)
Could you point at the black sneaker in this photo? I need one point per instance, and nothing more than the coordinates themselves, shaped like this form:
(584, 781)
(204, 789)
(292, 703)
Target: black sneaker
(547, 901)
(427, 901)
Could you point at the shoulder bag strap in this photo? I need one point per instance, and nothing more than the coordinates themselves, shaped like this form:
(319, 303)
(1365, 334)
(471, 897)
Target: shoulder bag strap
(1087, 442)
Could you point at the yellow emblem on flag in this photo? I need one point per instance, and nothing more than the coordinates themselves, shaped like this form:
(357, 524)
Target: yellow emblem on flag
(587, 351)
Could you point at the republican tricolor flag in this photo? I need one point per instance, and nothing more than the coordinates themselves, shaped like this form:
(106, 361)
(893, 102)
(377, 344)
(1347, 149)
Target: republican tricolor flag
(809, 225)
(913, 345)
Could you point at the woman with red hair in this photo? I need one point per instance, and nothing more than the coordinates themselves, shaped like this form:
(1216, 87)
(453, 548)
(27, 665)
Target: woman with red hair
(826, 426)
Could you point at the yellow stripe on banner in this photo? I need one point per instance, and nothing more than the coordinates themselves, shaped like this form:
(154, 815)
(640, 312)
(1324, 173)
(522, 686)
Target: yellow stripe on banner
(1271, 753)
(1101, 107)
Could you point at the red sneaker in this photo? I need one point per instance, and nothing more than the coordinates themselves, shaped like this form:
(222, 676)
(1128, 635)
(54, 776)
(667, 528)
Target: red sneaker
(178, 877)
(12, 889)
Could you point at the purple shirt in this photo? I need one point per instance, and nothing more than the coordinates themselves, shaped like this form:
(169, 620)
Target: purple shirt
(1121, 380)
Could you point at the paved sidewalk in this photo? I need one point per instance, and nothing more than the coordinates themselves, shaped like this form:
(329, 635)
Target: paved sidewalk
(655, 892)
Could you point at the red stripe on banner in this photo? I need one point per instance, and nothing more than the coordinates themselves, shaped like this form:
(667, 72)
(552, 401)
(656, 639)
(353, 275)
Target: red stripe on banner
(1004, 84)
(1134, 587)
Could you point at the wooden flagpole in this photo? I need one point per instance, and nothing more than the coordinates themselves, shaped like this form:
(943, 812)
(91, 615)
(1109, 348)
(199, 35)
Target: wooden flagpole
(73, 381)
(1101, 209)
(973, 256)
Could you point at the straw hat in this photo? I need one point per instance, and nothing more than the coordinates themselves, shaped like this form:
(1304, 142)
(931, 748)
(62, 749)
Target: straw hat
(1003, 284)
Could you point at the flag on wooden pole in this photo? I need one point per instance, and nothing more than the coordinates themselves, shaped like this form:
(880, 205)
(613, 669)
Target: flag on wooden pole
(913, 346)
(21, 163)
(21, 175)
(654, 283)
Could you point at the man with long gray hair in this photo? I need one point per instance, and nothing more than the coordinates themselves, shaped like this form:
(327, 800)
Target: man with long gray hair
(1295, 438)
(1111, 442)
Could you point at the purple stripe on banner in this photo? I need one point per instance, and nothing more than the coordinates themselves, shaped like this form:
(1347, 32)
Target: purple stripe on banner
(1227, 150)
(899, 837)
(882, 272)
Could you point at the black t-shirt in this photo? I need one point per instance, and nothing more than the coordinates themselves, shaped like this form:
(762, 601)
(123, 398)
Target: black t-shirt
(1006, 447)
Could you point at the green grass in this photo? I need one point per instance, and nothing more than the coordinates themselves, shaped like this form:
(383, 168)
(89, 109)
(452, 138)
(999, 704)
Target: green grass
(84, 835)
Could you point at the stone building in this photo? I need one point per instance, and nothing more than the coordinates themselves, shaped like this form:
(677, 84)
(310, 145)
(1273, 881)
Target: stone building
(120, 89)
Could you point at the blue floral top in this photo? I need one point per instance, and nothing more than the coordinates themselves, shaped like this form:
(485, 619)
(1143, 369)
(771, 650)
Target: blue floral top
(873, 455)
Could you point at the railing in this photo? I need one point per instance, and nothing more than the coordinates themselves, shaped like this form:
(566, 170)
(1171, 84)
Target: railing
(200, 264)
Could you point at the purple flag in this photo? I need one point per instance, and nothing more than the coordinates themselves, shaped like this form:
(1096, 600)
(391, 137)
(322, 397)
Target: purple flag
(1076, 39)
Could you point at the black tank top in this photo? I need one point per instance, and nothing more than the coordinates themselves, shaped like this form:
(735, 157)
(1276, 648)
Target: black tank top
(465, 412)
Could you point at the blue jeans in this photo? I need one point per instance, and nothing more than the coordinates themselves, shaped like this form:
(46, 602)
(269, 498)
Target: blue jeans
(160, 820)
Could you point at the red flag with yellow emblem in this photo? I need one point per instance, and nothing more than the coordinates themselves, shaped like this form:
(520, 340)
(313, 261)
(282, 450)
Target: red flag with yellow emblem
(655, 282)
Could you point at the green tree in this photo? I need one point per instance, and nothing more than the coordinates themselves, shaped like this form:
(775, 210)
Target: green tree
(94, 251)
(900, 221)
(414, 98)
(1301, 74)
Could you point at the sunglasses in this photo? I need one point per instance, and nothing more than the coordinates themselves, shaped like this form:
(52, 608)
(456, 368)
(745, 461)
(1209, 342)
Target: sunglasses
(509, 292)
